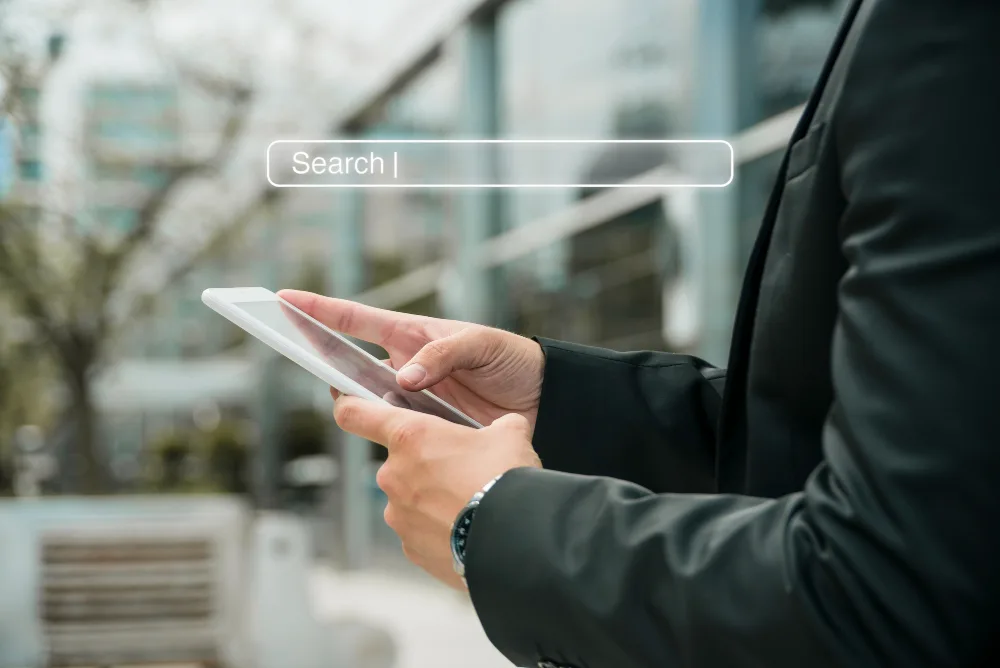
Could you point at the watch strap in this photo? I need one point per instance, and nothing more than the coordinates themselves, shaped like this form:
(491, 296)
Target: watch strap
(468, 511)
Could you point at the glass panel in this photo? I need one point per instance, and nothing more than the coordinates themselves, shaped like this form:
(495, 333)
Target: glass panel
(30, 170)
(793, 37)
(619, 72)
(612, 294)
(405, 229)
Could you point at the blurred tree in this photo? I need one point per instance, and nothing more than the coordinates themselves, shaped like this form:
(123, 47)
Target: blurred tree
(73, 278)
(24, 374)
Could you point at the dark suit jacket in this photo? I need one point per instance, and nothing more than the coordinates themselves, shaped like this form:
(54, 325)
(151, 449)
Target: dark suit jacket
(838, 503)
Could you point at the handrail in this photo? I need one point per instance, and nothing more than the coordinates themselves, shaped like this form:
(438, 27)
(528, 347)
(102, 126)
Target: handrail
(755, 142)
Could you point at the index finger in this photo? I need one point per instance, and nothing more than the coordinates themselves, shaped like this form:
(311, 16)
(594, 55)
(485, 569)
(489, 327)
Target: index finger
(361, 321)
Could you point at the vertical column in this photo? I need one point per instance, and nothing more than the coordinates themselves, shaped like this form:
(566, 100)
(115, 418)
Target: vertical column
(348, 280)
(725, 56)
(480, 216)
(268, 396)
(6, 157)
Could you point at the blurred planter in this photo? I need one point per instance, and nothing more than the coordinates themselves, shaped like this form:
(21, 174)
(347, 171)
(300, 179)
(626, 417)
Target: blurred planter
(191, 462)
(303, 439)
(171, 454)
(6, 477)
(226, 453)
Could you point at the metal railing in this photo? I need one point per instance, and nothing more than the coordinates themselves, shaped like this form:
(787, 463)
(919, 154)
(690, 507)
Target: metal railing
(753, 143)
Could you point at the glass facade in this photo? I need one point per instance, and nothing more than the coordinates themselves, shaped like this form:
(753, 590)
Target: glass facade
(791, 42)
(131, 135)
(620, 72)
(598, 70)
(404, 229)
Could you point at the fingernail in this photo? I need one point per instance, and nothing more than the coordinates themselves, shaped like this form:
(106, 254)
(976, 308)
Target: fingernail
(412, 373)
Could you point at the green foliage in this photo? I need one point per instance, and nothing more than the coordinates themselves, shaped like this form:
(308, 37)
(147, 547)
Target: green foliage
(384, 268)
(304, 434)
(189, 461)
(70, 281)
(26, 375)
(312, 277)
(6, 476)
(227, 457)
(172, 453)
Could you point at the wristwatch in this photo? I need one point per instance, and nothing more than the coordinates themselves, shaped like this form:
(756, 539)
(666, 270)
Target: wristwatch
(463, 523)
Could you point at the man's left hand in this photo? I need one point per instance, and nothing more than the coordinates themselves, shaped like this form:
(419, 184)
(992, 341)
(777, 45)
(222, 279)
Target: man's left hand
(434, 468)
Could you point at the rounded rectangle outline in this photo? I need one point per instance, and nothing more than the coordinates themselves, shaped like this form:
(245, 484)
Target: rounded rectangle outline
(466, 186)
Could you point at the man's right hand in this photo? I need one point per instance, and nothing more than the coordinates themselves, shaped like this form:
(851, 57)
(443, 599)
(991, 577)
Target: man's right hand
(484, 372)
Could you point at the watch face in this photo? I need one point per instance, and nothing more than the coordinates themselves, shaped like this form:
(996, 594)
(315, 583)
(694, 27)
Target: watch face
(461, 533)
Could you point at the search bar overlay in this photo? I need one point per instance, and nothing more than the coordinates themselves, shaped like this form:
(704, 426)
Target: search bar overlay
(500, 163)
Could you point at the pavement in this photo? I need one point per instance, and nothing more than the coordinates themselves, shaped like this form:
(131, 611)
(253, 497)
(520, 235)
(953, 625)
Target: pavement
(430, 625)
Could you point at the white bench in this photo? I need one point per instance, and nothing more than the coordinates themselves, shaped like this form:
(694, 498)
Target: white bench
(108, 599)
(191, 580)
(130, 580)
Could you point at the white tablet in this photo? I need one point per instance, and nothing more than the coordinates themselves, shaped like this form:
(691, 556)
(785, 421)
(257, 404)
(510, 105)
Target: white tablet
(322, 351)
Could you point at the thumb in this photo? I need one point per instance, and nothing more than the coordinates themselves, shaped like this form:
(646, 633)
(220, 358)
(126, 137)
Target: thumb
(513, 422)
(466, 349)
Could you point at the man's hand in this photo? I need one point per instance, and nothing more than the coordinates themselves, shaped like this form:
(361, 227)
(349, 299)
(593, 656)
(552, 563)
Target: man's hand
(434, 468)
(484, 372)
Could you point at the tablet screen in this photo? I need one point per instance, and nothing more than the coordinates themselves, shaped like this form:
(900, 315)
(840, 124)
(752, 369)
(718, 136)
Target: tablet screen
(345, 357)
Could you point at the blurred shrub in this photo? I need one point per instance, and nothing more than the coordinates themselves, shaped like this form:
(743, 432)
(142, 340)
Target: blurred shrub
(215, 461)
(226, 452)
(171, 453)
(304, 434)
(6, 475)
(312, 277)
(383, 268)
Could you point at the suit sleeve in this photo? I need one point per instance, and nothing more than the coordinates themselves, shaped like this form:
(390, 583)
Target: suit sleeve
(888, 557)
(645, 417)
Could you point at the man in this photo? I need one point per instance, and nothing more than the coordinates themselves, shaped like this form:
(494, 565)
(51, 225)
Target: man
(831, 500)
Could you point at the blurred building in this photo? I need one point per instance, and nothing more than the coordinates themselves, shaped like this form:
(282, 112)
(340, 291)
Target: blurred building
(595, 69)
(131, 141)
(22, 142)
(6, 157)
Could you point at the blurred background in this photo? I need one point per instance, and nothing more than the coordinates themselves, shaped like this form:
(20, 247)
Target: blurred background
(169, 489)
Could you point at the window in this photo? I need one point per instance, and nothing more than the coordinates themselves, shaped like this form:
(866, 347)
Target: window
(405, 229)
(118, 219)
(29, 170)
(600, 69)
(792, 40)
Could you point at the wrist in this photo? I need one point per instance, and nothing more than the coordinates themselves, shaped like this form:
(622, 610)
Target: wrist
(462, 527)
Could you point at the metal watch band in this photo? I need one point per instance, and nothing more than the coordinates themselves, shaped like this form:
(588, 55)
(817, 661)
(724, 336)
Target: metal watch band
(459, 563)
